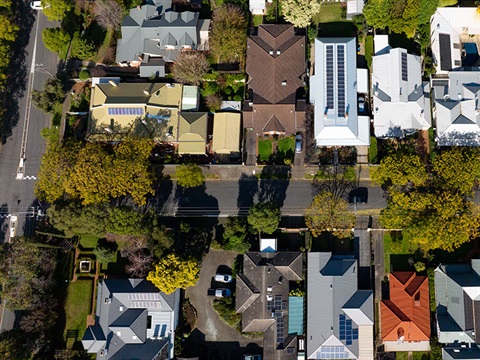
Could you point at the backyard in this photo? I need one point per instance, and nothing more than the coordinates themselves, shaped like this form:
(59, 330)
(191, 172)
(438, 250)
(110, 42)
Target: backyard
(77, 308)
(398, 249)
(328, 13)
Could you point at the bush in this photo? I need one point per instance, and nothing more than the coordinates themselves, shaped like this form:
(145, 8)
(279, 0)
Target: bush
(373, 151)
(105, 251)
(82, 48)
(237, 98)
(55, 39)
(84, 75)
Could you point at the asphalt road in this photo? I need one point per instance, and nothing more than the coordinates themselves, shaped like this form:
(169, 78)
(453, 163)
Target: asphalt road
(224, 198)
(34, 65)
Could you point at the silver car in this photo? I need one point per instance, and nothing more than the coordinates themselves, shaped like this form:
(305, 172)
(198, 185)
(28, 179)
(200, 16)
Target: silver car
(223, 278)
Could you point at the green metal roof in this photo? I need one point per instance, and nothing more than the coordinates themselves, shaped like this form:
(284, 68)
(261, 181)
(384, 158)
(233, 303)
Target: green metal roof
(295, 315)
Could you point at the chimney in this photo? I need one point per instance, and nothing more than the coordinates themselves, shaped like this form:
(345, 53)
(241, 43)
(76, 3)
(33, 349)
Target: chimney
(113, 83)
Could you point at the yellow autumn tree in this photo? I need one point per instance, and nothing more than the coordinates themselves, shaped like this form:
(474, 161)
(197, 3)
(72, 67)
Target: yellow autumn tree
(400, 169)
(172, 273)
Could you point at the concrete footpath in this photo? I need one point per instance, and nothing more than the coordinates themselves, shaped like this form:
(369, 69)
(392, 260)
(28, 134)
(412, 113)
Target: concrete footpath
(235, 172)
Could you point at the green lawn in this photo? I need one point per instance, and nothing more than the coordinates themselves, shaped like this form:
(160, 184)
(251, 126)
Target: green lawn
(286, 144)
(369, 50)
(398, 245)
(88, 242)
(416, 355)
(328, 13)
(77, 308)
(257, 20)
(264, 149)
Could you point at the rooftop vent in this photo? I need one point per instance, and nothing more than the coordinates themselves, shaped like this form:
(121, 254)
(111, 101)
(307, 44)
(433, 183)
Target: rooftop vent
(113, 83)
(284, 83)
(278, 52)
(121, 308)
(271, 52)
(146, 92)
(108, 300)
(269, 288)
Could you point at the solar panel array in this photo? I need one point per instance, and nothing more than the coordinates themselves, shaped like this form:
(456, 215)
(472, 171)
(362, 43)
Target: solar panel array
(329, 76)
(404, 67)
(347, 333)
(332, 352)
(125, 111)
(145, 304)
(144, 296)
(341, 80)
(280, 328)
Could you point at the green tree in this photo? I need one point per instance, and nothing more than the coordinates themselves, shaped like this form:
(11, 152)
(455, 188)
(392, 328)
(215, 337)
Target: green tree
(329, 213)
(8, 29)
(235, 234)
(50, 97)
(190, 67)
(264, 217)
(56, 9)
(82, 48)
(55, 39)
(189, 175)
(125, 221)
(228, 36)
(15, 344)
(105, 251)
(399, 170)
(378, 13)
(300, 12)
(172, 273)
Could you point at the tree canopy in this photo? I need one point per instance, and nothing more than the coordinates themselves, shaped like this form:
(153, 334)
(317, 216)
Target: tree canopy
(264, 217)
(50, 97)
(435, 208)
(235, 234)
(190, 67)
(329, 213)
(300, 12)
(172, 273)
(228, 36)
(55, 39)
(56, 9)
(189, 175)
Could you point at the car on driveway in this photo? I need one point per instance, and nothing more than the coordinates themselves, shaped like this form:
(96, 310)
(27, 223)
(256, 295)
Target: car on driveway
(223, 278)
(219, 293)
(36, 5)
(361, 104)
(298, 143)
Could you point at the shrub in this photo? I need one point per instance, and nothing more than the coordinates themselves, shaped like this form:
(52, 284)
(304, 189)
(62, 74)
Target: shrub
(237, 98)
(373, 151)
(105, 251)
(84, 75)
(82, 48)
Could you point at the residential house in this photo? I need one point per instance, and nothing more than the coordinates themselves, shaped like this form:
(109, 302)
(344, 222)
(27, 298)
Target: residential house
(405, 315)
(262, 294)
(333, 92)
(257, 7)
(152, 35)
(457, 296)
(339, 316)
(401, 101)
(133, 320)
(192, 133)
(226, 132)
(454, 34)
(456, 109)
(354, 7)
(275, 68)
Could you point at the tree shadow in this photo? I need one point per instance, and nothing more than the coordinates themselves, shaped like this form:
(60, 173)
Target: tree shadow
(3, 223)
(274, 184)
(162, 202)
(337, 180)
(16, 83)
(247, 190)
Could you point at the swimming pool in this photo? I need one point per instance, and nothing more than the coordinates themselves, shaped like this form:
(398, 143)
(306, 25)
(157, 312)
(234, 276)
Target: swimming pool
(469, 54)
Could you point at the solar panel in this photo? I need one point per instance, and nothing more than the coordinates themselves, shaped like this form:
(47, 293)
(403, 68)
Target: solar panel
(346, 332)
(278, 302)
(280, 329)
(329, 76)
(332, 352)
(125, 111)
(341, 80)
(355, 334)
(404, 67)
(290, 350)
(270, 305)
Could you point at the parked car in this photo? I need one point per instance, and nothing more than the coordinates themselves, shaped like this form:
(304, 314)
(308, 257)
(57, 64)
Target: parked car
(298, 143)
(223, 278)
(252, 357)
(361, 104)
(36, 5)
(219, 293)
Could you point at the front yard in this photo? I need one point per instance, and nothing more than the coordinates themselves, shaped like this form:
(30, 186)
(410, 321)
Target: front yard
(272, 150)
(77, 308)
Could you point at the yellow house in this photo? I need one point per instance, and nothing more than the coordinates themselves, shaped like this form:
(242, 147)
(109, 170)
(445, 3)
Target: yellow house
(226, 132)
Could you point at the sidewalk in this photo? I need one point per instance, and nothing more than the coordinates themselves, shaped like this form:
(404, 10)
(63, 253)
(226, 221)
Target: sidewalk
(235, 172)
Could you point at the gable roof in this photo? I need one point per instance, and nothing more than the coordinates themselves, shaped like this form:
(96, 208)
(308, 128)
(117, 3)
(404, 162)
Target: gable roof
(275, 63)
(226, 132)
(192, 132)
(120, 329)
(457, 293)
(407, 312)
(334, 94)
(334, 303)
(457, 111)
(262, 290)
(400, 98)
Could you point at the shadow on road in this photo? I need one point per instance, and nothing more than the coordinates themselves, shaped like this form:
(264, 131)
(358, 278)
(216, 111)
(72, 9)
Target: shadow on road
(247, 190)
(274, 184)
(3, 223)
(17, 69)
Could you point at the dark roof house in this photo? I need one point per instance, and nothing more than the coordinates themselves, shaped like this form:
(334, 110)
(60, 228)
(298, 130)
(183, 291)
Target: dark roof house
(134, 320)
(262, 299)
(275, 68)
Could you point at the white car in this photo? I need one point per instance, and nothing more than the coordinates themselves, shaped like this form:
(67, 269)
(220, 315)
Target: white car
(223, 278)
(361, 104)
(36, 5)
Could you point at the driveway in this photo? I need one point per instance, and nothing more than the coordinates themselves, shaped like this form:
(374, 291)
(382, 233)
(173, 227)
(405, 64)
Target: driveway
(219, 337)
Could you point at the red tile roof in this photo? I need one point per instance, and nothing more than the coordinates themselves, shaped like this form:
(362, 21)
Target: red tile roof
(407, 312)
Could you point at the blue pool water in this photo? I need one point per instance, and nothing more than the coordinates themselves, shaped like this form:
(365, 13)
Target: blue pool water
(470, 54)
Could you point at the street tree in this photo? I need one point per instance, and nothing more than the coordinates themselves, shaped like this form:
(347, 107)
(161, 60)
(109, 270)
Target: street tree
(82, 48)
(329, 213)
(190, 67)
(56, 9)
(300, 12)
(51, 97)
(228, 36)
(264, 217)
(55, 39)
(108, 14)
(235, 234)
(8, 29)
(399, 170)
(189, 175)
(172, 273)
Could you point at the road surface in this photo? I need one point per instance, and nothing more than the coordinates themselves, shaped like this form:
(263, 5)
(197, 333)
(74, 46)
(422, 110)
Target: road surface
(34, 64)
